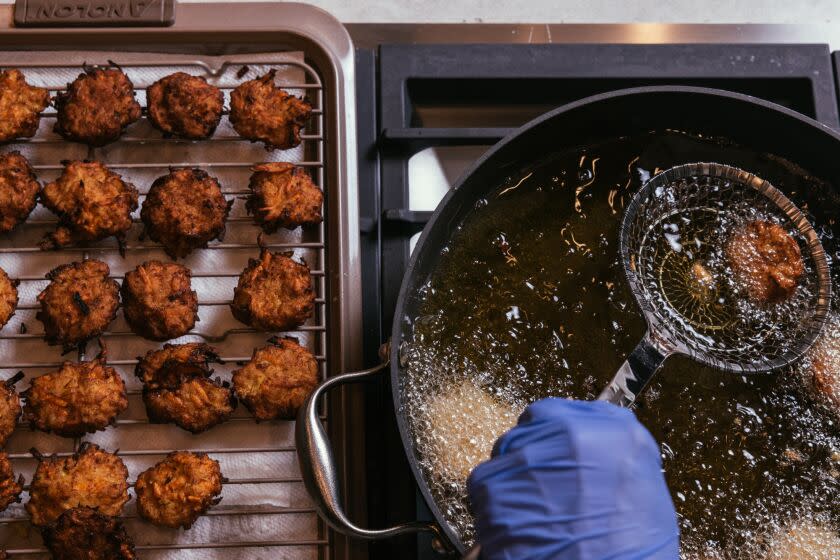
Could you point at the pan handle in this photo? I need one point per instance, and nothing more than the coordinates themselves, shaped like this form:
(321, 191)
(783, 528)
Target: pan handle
(318, 468)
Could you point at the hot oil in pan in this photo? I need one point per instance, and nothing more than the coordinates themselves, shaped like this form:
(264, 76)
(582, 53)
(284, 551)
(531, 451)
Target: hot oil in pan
(530, 301)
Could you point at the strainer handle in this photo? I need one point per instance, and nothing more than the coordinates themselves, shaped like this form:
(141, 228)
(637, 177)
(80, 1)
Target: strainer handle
(635, 373)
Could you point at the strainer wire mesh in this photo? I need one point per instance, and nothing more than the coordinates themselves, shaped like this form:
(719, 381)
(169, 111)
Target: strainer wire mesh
(699, 324)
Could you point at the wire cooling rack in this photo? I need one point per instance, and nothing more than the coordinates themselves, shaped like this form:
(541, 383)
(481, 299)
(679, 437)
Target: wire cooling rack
(264, 511)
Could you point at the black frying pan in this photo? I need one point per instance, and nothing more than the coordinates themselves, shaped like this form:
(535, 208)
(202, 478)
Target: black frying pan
(758, 125)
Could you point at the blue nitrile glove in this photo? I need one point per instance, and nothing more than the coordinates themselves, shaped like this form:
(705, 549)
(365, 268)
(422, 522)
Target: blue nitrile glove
(574, 480)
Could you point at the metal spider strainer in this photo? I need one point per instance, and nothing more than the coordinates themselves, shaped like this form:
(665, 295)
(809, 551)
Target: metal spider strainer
(673, 238)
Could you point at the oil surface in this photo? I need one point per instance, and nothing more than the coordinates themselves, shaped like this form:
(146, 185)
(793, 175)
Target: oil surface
(529, 300)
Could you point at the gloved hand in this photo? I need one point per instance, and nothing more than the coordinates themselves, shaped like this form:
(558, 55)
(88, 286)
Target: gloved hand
(574, 480)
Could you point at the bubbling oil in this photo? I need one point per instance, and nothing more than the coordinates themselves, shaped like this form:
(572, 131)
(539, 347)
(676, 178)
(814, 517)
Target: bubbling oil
(529, 300)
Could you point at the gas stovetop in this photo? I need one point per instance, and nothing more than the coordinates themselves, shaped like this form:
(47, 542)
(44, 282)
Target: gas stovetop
(427, 111)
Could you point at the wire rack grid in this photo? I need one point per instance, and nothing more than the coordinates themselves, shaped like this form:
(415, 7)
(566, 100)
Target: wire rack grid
(264, 511)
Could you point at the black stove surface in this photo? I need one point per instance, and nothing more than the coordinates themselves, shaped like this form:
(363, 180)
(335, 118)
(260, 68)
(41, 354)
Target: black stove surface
(413, 97)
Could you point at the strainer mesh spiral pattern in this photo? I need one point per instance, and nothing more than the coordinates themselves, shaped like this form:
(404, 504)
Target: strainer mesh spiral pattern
(673, 241)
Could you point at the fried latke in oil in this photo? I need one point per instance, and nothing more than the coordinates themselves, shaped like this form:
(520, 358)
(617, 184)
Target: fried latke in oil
(158, 302)
(184, 211)
(96, 107)
(8, 297)
(277, 380)
(90, 477)
(765, 260)
(823, 361)
(79, 302)
(10, 487)
(165, 368)
(20, 106)
(185, 106)
(9, 407)
(176, 491)
(274, 293)
(80, 397)
(83, 533)
(92, 203)
(283, 195)
(196, 404)
(18, 190)
(262, 112)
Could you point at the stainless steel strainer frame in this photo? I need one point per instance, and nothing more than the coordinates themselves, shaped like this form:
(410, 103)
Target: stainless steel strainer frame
(659, 343)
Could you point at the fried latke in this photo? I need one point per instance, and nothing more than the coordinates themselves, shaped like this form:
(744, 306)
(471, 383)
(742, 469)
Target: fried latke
(90, 477)
(92, 203)
(176, 491)
(165, 368)
(283, 195)
(20, 106)
(765, 260)
(185, 106)
(196, 404)
(9, 407)
(8, 297)
(823, 359)
(805, 539)
(176, 387)
(80, 397)
(158, 302)
(185, 210)
(96, 107)
(277, 380)
(83, 533)
(10, 487)
(78, 303)
(262, 112)
(18, 190)
(274, 293)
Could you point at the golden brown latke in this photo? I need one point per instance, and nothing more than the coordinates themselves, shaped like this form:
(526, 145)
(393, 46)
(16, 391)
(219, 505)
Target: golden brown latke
(261, 111)
(92, 203)
(196, 404)
(83, 533)
(274, 293)
(177, 389)
(277, 380)
(184, 105)
(78, 303)
(90, 477)
(176, 491)
(9, 407)
(10, 487)
(80, 397)
(184, 210)
(8, 297)
(20, 106)
(158, 301)
(165, 368)
(18, 190)
(96, 107)
(823, 359)
(766, 260)
(283, 195)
